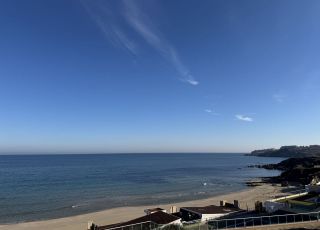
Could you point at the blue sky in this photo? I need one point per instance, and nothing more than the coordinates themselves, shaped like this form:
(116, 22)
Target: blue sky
(158, 76)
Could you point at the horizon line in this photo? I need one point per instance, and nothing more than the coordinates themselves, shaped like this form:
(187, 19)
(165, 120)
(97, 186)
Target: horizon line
(120, 153)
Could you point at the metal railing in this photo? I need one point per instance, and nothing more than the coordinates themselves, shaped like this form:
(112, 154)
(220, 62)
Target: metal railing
(215, 224)
(252, 222)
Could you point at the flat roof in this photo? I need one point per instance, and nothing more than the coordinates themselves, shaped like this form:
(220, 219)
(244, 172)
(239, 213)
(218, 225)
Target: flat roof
(155, 209)
(156, 217)
(211, 209)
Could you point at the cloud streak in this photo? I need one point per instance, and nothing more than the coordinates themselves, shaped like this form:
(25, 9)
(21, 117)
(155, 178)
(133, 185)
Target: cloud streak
(210, 111)
(142, 24)
(243, 118)
(107, 23)
(115, 27)
(278, 97)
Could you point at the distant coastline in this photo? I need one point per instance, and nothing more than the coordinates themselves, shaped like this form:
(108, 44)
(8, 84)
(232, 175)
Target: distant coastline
(289, 151)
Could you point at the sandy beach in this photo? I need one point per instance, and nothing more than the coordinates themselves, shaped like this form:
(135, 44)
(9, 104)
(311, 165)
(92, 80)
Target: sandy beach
(246, 198)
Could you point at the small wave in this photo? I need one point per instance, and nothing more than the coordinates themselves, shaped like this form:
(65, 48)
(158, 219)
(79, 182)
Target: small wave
(80, 205)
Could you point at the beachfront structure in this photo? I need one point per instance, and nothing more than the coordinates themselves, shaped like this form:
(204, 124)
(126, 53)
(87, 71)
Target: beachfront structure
(156, 219)
(313, 187)
(209, 212)
(153, 210)
(281, 203)
(307, 200)
(297, 203)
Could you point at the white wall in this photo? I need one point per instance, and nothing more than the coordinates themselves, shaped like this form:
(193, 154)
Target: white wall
(272, 206)
(176, 222)
(206, 217)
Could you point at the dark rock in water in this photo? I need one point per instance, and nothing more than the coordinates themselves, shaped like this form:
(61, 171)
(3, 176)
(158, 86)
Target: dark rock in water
(289, 151)
(254, 183)
(284, 183)
(252, 166)
(295, 170)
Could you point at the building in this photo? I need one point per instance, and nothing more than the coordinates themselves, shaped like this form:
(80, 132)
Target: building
(153, 210)
(156, 219)
(208, 212)
(314, 186)
(297, 203)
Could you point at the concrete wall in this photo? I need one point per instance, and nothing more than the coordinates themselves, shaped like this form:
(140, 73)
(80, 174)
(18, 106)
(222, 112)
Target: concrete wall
(176, 222)
(206, 217)
(272, 206)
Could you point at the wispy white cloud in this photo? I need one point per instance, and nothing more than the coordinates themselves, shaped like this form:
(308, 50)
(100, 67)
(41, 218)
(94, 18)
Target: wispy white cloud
(243, 118)
(279, 97)
(142, 24)
(211, 112)
(106, 21)
(192, 82)
(115, 25)
(125, 41)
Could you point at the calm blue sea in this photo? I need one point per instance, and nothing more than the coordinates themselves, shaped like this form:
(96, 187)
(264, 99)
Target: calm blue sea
(34, 187)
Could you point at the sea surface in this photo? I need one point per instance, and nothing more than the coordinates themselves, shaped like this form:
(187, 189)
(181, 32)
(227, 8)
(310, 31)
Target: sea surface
(36, 187)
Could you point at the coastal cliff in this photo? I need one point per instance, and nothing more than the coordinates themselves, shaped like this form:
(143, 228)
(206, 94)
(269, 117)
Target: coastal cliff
(289, 151)
(295, 170)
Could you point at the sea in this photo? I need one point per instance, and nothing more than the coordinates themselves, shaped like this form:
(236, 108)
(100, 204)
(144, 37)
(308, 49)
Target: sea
(40, 187)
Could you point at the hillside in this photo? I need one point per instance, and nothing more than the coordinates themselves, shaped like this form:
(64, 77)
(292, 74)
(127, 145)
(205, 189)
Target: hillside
(289, 151)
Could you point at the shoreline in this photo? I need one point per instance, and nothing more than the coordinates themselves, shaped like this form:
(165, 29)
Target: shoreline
(247, 187)
(246, 198)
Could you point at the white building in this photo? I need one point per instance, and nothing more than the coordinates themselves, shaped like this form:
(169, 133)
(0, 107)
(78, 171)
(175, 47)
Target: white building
(207, 213)
(293, 203)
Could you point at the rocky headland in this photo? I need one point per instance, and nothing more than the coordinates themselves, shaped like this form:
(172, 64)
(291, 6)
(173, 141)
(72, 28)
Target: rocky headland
(289, 151)
(295, 171)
